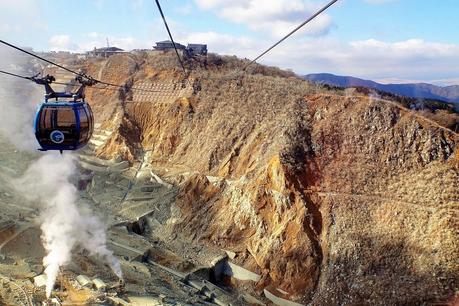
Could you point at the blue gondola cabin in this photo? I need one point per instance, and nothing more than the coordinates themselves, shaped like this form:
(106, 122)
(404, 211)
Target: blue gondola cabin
(63, 125)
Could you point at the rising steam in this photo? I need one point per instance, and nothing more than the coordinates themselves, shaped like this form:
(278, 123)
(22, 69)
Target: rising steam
(18, 100)
(65, 224)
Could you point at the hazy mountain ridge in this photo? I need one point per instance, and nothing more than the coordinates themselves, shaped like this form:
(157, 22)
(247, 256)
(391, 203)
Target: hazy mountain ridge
(413, 90)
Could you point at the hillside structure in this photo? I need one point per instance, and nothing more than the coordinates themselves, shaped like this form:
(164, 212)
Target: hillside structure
(190, 49)
(168, 45)
(104, 52)
(197, 49)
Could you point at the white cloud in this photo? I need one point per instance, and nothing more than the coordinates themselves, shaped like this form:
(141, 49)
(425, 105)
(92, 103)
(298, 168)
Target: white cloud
(126, 43)
(137, 4)
(184, 9)
(224, 43)
(30, 18)
(97, 40)
(397, 81)
(62, 43)
(208, 4)
(274, 17)
(59, 40)
(445, 82)
(409, 59)
(99, 4)
(378, 1)
(93, 35)
(18, 5)
(412, 59)
(440, 82)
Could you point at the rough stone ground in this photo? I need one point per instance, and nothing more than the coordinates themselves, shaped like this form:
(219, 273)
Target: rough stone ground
(120, 194)
(136, 204)
(329, 197)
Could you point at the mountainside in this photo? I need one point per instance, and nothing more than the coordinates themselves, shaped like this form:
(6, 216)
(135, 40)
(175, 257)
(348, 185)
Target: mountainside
(333, 197)
(419, 90)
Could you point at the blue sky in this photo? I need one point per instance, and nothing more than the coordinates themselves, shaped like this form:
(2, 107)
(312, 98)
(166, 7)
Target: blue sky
(385, 40)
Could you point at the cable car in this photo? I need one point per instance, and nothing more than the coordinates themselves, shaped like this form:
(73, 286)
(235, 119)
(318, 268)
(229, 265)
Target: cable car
(63, 124)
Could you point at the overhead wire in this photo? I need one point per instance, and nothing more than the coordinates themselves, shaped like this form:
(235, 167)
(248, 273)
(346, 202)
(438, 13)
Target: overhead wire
(15, 75)
(175, 48)
(170, 35)
(32, 78)
(41, 58)
(291, 33)
(54, 82)
(72, 71)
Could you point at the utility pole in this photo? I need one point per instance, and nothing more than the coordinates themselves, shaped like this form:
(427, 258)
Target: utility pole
(108, 46)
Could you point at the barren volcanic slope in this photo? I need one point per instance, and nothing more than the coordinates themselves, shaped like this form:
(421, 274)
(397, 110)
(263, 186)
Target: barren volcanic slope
(333, 198)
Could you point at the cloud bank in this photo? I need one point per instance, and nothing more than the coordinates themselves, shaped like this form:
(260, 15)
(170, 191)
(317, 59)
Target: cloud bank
(273, 17)
(412, 59)
(264, 21)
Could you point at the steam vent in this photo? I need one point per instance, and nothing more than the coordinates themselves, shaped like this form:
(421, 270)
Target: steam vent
(231, 187)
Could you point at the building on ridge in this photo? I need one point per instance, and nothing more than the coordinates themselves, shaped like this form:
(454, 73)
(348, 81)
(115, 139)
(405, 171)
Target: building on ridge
(104, 52)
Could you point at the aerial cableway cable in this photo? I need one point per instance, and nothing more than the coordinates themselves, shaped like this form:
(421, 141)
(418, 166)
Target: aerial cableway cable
(16, 75)
(291, 33)
(42, 59)
(54, 82)
(72, 71)
(170, 36)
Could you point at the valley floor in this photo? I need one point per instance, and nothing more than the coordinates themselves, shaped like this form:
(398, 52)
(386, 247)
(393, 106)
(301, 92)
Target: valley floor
(159, 268)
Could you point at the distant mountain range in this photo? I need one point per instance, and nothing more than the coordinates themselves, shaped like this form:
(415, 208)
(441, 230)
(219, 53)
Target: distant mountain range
(416, 90)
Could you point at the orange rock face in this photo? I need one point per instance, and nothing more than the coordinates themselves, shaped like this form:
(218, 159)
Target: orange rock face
(333, 199)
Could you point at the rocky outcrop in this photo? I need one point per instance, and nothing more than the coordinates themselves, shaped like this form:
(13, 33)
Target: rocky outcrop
(333, 199)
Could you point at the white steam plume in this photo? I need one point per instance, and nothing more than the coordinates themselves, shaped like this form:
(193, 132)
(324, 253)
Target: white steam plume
(65, 224)
(19, 99)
